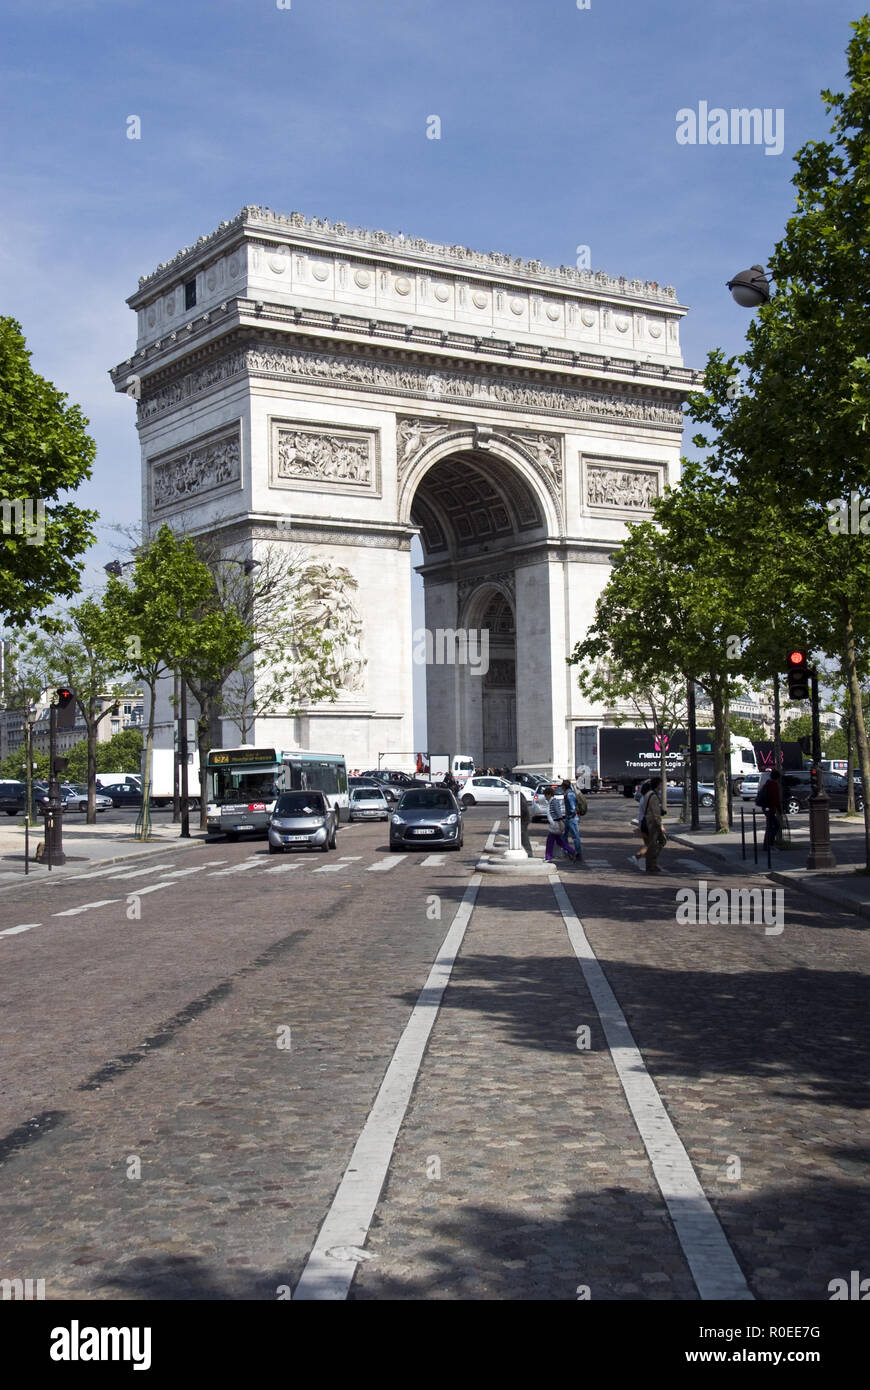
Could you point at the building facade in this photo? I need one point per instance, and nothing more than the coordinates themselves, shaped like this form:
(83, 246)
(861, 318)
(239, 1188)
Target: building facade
(303, 383)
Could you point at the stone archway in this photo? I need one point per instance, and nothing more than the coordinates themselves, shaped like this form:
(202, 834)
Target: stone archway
(484, 529)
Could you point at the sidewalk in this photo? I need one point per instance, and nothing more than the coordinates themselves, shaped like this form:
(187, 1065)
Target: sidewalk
(842, 886)
(84, 846)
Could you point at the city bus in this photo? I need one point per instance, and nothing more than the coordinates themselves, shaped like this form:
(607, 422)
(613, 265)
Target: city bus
(243, 783)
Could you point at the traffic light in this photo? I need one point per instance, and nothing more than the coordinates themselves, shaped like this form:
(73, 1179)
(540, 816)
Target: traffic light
(66, 707)
(798, 676)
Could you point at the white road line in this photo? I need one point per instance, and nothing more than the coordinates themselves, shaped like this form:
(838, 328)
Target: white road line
(85, 907)
(116, 872)
(152, 888)
(710, 1258)
(597, 863)
(182, 873)
(26, 926)
(284, 868)
(696, 866)
(490, 843)
(330, 869)
(237, 868)
(432, 861)
(346, 858)
(329, 1276)
(139, 873)
(389, 863)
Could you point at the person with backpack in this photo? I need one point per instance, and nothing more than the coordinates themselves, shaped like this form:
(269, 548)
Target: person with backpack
(556, 822)
(576, 806)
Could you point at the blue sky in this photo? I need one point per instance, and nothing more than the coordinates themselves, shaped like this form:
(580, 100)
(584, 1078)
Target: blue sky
(558, 130)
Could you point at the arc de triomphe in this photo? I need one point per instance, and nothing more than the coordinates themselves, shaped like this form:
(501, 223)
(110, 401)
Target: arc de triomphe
(304, 382)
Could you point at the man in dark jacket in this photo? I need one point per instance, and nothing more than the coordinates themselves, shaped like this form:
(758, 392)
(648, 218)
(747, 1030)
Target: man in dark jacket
(770, 800)
(653, 831)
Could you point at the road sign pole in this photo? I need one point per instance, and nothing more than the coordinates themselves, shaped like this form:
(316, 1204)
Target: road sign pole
(821, 856)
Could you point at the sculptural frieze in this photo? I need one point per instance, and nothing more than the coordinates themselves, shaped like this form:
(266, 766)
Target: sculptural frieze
(200, 467)
(312, 455)
(630, 488)
(394, 378)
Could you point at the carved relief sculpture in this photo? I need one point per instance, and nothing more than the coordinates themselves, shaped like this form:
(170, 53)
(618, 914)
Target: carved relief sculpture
(621, 487)
(308, 454)
(201, 468)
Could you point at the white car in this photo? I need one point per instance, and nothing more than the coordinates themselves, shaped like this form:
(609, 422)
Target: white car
(487, 790)
(368, 803)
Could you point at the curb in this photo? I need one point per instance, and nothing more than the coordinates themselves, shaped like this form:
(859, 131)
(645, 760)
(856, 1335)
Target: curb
(83, 868)
(824, 891)
(690, 843)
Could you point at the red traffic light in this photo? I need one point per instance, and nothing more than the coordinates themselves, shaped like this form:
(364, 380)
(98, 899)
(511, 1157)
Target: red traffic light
(796, 658)
(64, 696)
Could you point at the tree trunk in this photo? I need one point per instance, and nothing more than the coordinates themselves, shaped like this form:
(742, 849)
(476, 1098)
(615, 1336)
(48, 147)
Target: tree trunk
(92, 763)
(663, 769)
(147, 777)
(721, 754)
(850, 781)
(855, 696)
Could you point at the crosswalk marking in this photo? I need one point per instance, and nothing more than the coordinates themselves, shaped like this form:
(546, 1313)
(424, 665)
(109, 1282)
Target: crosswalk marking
(25, 926)
(237, 868)
(432, 861)
(284, 868)
(389, 863)
(152, 888)
(346, 858)
(85, 907)
(597, 863)
(115, 872)
(329, 869)
(182, 873)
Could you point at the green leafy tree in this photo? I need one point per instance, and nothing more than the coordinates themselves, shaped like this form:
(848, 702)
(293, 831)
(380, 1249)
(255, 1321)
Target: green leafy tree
(120, 753)
(45, 451)
(797, 439)
(161, 621)
(80, 654)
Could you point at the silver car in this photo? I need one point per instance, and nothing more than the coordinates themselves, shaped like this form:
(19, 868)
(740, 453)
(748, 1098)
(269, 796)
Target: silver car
(75, 798)
(368, 803)
(302, 818)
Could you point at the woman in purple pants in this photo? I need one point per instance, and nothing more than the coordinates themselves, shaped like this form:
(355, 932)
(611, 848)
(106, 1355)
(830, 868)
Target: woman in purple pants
(556, 818)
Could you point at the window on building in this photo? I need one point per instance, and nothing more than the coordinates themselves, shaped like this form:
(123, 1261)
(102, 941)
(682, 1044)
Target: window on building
(190, 294)
(116, 726)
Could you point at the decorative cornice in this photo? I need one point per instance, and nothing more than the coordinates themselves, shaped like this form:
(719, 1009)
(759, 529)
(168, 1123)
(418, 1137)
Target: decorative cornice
(340, 235)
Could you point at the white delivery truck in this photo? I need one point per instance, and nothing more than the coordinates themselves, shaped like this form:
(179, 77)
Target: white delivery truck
(459, 765)
(163, 777)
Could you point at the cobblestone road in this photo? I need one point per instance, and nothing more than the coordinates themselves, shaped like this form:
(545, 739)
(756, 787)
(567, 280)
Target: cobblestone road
(149, 1044)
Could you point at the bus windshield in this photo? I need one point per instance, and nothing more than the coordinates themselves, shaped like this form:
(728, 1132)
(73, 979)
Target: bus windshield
(237, 784)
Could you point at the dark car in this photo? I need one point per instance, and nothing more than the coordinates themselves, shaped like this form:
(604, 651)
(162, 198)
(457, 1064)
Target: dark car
(126, 793)
(426, 816)
(13, 797)
(302, 818)
(797, 788)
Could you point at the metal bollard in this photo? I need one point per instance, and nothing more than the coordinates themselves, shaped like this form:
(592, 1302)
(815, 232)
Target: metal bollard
(742, 833)
(755, 837)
